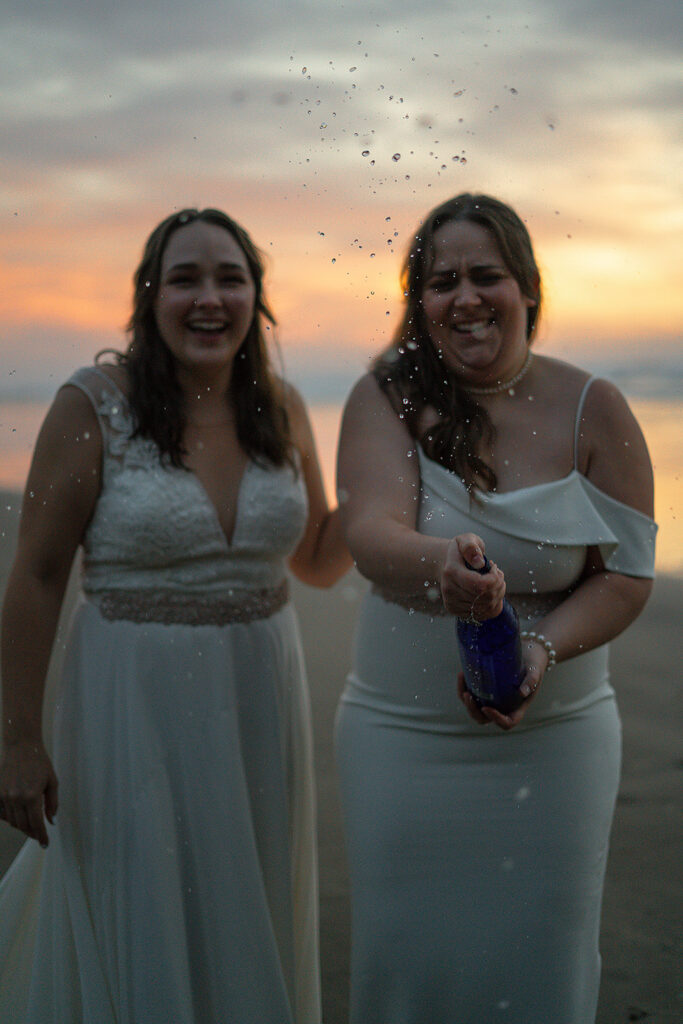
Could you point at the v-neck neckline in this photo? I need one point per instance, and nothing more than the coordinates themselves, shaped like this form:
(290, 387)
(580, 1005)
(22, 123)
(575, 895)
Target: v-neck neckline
(228, 542)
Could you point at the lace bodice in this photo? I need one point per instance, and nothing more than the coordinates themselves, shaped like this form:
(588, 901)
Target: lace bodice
(155, 528)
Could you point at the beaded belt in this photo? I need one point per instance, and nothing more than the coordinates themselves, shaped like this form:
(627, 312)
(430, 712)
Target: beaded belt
(185, 609)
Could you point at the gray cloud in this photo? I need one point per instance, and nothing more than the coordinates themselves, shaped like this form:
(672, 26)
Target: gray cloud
(114, 113)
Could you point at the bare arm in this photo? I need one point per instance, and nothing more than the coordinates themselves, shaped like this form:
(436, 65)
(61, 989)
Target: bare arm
(322, 556)
(613, 455)
(60, 496)
(379, 490)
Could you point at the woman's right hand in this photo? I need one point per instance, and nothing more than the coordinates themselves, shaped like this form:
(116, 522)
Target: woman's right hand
(465, 593)
(28, 789)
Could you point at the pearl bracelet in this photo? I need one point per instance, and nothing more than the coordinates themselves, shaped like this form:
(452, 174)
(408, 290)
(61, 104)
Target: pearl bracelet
(531, 634)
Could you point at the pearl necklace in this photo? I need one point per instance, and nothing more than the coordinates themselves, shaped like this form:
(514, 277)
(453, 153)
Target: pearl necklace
(506, 385)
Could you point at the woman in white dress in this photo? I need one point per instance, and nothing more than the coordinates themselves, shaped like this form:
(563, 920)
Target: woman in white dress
(178, 880)
(477, 841)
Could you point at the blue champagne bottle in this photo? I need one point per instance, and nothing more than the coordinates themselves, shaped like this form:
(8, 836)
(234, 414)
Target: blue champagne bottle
(491, 656)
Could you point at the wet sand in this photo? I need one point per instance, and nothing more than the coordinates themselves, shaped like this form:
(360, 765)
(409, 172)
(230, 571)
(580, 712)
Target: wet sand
(641, 933)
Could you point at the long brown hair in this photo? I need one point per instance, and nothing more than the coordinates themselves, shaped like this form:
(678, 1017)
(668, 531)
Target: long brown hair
(410, 371)
(156, 399)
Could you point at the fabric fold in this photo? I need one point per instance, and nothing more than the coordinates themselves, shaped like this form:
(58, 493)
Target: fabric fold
(565, 512)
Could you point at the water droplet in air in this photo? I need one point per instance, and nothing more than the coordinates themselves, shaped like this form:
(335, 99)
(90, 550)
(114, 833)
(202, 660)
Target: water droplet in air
(396, 157)
(366, 152)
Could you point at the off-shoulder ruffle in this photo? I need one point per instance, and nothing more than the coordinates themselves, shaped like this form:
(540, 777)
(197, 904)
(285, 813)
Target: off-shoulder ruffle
(567, 512)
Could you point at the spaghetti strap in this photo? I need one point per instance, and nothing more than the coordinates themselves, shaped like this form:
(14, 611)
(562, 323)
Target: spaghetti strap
(577, 422)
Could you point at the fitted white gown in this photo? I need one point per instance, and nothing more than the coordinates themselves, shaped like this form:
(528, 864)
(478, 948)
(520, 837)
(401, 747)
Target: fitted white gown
(477, 857)
(180, 882)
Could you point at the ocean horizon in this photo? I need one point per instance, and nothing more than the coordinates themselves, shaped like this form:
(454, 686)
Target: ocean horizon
(654, 391)
(324, 378)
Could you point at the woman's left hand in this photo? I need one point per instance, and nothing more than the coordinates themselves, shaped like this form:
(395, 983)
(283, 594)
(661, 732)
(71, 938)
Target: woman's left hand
(535, 659)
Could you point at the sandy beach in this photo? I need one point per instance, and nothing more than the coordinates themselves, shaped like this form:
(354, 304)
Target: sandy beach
(641, 934)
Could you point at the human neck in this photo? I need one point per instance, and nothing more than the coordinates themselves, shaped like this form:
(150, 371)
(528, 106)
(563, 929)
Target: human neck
(506, 385)
(207, 404)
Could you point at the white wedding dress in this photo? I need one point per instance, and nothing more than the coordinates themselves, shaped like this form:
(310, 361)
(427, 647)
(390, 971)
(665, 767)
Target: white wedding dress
(180, 884)
(477, 857)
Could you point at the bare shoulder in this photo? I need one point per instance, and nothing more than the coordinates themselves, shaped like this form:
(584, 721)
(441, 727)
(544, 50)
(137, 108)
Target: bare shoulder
(563, 380)
(65, 473)
(368, 404)
(292, 399)
(612, 449)
(70, 439)
(117, 373)
(371, 424)
(608, 421)
(70, 415)
(295, 407)
(366, 390)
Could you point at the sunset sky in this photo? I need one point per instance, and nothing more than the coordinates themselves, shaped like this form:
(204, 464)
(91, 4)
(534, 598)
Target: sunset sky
(112, 115)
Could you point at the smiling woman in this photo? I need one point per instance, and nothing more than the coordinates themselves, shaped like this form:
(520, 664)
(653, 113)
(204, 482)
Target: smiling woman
(205, 301)
(178, 882)
(477, 855)
(476, 308)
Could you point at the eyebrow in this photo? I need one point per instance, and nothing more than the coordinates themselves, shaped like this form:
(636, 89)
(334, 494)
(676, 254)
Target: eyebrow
(450, 272)
(192, 266)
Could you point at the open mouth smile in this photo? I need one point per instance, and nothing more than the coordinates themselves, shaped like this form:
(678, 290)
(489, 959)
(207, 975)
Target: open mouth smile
(472, 328)
(207, 326)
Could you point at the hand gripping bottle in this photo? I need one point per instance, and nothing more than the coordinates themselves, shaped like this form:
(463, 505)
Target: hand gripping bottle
(491, 656)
